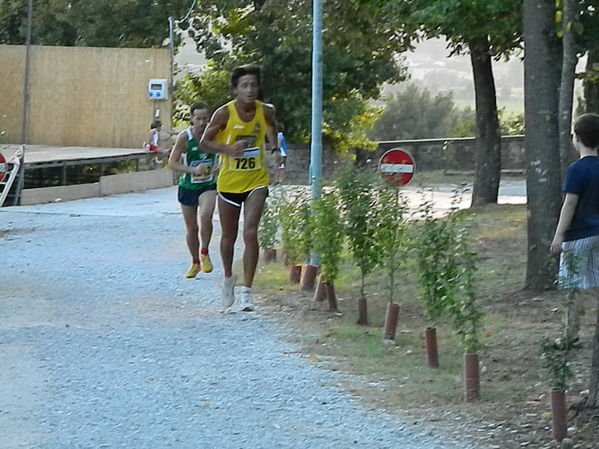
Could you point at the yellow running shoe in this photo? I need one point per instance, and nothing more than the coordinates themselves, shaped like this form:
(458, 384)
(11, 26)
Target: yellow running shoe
(206, 263)
(193, 270)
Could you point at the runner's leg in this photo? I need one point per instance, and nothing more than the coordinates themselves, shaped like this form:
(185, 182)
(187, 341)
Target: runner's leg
(207, 202)
(252, 212)
(229, 222)
(191, 228)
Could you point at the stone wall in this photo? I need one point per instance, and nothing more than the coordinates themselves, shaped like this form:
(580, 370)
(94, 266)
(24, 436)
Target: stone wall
(448, 155)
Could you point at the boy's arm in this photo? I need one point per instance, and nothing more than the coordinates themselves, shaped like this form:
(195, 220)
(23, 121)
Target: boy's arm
(565, 218)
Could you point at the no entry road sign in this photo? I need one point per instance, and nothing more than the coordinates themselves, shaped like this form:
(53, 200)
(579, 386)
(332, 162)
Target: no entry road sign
(397, 167)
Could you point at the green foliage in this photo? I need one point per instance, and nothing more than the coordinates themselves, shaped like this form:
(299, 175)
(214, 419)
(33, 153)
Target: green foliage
(511, 123)
(269, 223)
(465, 124)
(358, 200)
(97, 23)
(415, 114)
(433, 243)
(328, 234)
(446, 271)
(466, 317)
(347, 121)
(391, 233)
(273, 34)
(491, 24)
(557, 353)
(556, 356)
(211, 87)
(296, 229)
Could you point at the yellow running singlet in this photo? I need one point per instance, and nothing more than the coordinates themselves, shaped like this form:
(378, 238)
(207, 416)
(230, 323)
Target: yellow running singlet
(248, 171)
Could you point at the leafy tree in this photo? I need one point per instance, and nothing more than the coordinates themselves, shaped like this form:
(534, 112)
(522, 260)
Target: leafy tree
(415, 114)
(97, 23)
(485, 30)
(359, 55)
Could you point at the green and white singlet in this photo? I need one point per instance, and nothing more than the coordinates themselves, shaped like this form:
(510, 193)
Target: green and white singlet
(194, 157)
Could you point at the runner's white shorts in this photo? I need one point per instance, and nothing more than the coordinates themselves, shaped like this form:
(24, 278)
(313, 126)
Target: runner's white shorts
(581, 269)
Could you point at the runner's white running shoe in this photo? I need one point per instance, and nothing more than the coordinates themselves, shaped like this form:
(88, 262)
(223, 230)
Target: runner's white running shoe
(228, 293)
(245, 299)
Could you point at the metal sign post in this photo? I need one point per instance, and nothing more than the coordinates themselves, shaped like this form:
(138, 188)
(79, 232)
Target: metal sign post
(316, 145)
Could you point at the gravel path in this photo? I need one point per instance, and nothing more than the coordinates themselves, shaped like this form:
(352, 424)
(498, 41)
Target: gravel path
(106, 345)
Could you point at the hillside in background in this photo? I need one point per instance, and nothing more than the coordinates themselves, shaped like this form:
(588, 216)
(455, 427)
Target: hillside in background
(430, 66)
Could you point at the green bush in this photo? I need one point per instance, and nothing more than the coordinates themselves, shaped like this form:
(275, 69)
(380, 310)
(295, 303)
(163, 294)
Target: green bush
(296, 229)
(391, 233)
(328, 234)
(360, 220)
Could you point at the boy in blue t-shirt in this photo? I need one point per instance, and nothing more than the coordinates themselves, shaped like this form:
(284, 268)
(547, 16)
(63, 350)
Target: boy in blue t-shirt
(577, 233)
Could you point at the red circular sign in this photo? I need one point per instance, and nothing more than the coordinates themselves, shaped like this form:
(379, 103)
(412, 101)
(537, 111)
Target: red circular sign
(2, 167)
(397, 167)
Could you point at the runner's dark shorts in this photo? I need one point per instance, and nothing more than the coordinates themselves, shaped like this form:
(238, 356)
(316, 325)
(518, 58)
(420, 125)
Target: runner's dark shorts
(189, 197)
(237, 199)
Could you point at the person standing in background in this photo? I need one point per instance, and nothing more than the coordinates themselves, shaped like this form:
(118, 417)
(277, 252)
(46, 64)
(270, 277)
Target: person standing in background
(282, 159)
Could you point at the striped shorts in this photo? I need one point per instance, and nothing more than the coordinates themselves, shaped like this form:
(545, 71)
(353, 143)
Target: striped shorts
(579, 263)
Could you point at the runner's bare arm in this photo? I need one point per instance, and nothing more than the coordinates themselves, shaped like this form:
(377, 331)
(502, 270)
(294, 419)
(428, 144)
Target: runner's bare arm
(218, 122)
(174, 160)
(271, 121)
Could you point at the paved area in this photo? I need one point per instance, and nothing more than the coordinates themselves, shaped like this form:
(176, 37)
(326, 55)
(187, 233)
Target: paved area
(105, 345)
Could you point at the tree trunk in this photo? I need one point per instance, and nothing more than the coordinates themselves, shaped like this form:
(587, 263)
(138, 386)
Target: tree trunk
(488, 133)
(542, 67)
(566, 93)
(362, 304)
(591, 82)
(593, 401)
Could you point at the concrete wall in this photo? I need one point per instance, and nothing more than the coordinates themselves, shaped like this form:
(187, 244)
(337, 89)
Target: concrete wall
(108, 185)
(82, 96)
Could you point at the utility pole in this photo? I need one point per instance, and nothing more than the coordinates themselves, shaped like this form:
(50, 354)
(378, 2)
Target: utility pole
(25, 116)
(316, 144)
(171, 76)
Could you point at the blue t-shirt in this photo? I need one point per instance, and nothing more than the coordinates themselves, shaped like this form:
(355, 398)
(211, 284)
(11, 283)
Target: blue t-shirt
(282, 143)
(583, 180)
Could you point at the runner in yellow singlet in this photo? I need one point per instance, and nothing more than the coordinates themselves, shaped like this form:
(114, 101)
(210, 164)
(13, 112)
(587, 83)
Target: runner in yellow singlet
(243, 178)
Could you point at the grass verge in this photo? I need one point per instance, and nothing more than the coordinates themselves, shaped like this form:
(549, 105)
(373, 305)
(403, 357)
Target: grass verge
(513, 410)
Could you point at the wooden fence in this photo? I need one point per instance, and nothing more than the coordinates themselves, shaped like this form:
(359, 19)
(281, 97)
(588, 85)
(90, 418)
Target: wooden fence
(81, 96)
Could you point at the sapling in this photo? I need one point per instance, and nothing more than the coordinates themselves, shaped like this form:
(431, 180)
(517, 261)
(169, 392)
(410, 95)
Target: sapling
(390, 233)
(328, 239)
(436, 243)
(269, 224)
(358, 200)
(557, 353)
(296, 233)
(464, 311)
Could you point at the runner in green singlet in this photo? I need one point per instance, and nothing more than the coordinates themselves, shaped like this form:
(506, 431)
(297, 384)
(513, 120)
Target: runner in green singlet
(197, 188)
